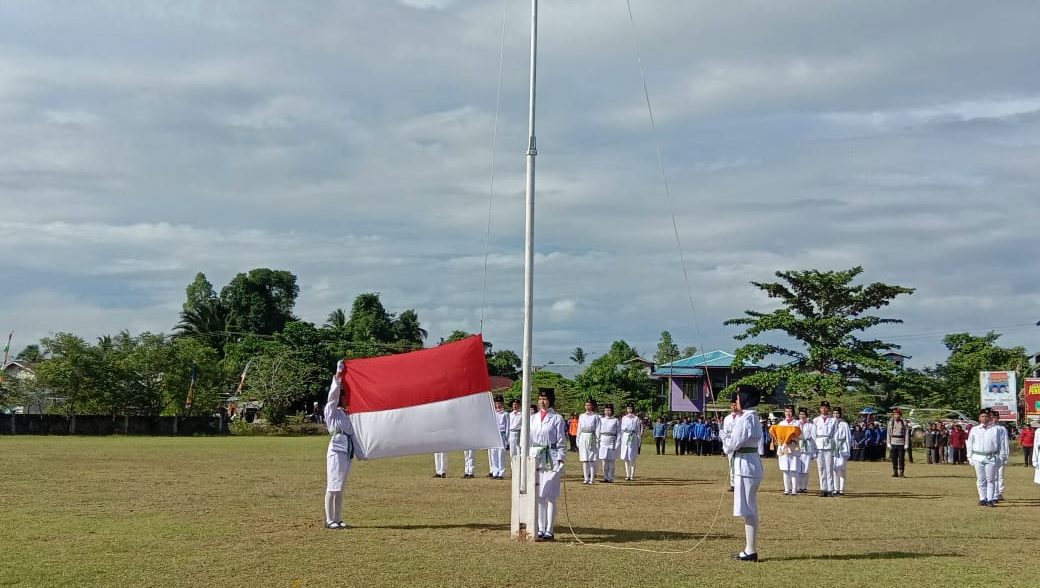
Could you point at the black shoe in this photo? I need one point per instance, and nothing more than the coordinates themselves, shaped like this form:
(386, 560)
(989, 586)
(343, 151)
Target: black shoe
(548, 537)
(991, 503)
(841, 494)
(746, 556)
(895, 475)
(823, 493)
(539, 536)
(983, 503)
(440, 475)
(468, 476)
(730, 489)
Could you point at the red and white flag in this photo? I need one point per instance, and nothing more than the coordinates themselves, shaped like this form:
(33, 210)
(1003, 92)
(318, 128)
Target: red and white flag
(426, 401)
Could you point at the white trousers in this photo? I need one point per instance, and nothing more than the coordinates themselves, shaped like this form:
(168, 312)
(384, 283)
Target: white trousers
(497, 461)
(608, 469)
(337, 470)
(469, 462)
(1000, 480)
(825, 466)
(440, 464)
(839, 476)
(986, 480)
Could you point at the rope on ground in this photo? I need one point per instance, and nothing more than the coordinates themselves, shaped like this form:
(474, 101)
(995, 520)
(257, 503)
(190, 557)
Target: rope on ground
(578, 541)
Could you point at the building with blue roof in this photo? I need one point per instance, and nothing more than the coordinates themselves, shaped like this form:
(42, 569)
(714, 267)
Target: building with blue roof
(689, 384)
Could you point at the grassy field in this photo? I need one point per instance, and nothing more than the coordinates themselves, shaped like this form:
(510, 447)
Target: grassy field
(120, 511)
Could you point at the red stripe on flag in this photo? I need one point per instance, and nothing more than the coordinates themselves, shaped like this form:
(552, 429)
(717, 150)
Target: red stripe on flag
(448, 371)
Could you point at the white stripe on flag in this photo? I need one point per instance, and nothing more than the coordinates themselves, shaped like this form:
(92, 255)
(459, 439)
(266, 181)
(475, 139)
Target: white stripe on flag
(467, 422)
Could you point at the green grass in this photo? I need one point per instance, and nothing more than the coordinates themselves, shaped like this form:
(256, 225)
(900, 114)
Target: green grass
(131, 511)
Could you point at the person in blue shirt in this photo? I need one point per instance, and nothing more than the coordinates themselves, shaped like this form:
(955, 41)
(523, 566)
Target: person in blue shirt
(700, 434)
(660, 430)
(677, 436)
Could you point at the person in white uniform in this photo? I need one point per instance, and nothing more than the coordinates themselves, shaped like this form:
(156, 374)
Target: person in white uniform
(588, 448)
(469, 463)
(1036, 452)
(842, 451)
(609, 439)
(742, 443)
(1006, 440)
(631, 439)
(516, 418)
(725, 431)
(788, 454)
(985, 447)
(807, 450)
(825, 426)
(440, 465)
(549, 446)
(340, 453)
(497, 455)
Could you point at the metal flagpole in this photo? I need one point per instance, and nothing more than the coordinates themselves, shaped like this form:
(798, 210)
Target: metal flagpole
(522, 497)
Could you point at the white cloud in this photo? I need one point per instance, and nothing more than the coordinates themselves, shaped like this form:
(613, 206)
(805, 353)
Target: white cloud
(141, 144)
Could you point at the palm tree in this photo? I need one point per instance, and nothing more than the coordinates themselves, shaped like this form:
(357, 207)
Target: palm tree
(337, 319)
(207, 321)
(31, 354)
(578, 356)
(408, 330)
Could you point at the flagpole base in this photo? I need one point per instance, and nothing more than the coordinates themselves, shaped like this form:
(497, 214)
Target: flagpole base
(522, 523)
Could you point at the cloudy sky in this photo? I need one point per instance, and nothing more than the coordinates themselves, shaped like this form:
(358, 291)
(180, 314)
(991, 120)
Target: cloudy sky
(350, 142)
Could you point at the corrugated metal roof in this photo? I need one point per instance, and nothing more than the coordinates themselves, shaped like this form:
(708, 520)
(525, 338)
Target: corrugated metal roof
(665, 371)
(717, 358)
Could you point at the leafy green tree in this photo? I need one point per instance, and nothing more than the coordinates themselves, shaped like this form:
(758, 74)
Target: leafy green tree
(198, 293)
(260, 301)
(569, 396)
(370, 327)
(280, 381)
(186, 357)
(72, 373)
(614, 378)
(970, 354)
(457, 335)
(505, 363)
(688, 351)
(408, 331)
(667, 350)
(578, 356)
(823, 312)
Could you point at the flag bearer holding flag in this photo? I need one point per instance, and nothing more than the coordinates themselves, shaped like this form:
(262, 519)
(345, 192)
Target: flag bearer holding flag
(340, 453)
(549, 447)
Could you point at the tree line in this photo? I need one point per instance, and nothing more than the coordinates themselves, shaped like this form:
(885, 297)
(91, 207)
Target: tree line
(814, 345)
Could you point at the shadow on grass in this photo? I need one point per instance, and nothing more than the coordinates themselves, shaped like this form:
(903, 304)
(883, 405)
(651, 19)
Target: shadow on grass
(471, 526)
(891, 495)
(871, 555)
(592, 535)
(662, 482)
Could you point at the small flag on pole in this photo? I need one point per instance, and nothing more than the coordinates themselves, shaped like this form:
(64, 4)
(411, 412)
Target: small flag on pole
(242, 380)
(426, 401)
(708, 394)
(7, 348)
(191, 388)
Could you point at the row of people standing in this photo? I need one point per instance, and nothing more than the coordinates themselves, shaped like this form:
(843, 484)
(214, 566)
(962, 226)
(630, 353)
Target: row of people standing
(606, 438)
(826, 439)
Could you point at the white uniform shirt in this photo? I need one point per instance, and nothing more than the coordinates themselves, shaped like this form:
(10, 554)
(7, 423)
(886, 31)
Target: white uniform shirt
(843, 439)
(631, 424)
(588, 423)
(824, 429)
(808, 444)
(337, 421)
(609, 432)
(549, 433)
(987, 444)
(746, 434)
(516, 420)
(727, 430)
